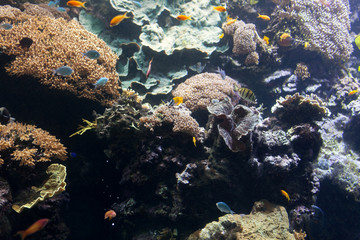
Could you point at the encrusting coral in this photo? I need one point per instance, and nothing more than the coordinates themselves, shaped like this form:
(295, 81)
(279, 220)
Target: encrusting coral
(57, 43)
(199, 90)
(28, 144)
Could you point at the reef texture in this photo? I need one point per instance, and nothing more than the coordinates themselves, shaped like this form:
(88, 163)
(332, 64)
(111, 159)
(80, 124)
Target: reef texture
(56, 43)
(198, 91)
(325, 28)
(265, 222)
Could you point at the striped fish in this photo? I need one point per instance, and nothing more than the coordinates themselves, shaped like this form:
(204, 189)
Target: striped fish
(247, 95)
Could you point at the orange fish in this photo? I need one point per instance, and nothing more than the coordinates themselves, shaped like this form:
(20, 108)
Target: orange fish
(36, 226)
(264, 17)
(76, 4)
(220, 9)
(231, 21)
(285, 40)
(283, 192)
(118, 19)
(194, 141)
(183, 17)
(149, 68)
(353, 92)
(110, 214)
(222, 35)
(178, 100)
(266, 39)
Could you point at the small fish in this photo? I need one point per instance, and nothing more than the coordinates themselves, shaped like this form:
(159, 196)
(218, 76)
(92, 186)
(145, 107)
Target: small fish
(136, 3)
(220, 9)
(73, 154)
(183, 18)
(222, 35)
(92, 54)
(101, 82)
(318, 209)
(76, 4)
(264, 17)
(63, 71)
(247, 95)
(231, 21)
(36, 226)
(52, 4)
(194, 141)
(286, 40)
(110, 214)
(6, 26)
(353, 92)
(198, 67)
(358, 68)
(149, 68)
(286, 195)
(222, 73)
(357, 41)
(223, 207)
(118, 19)
(306, 45)
(253, 2)
(61, 9)
(178, 100)
(266, 39)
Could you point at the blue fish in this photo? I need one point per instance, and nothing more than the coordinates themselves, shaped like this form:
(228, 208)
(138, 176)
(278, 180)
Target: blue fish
(61, 9)
(223, 207)
(222, 73)
(92, 54)
(101, 82)
(63, 71)
(73, 154)
(6, 26)
(136, 3)
(52, 4)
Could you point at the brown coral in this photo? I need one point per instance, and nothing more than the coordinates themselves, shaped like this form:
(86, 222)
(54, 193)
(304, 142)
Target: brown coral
(28, 144)
(199, 90)
(179, 116)
(302, 71)
(58, 42)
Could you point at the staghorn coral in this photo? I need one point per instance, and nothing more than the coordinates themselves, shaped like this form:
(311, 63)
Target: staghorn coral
(28, 144)
(325, 28)
(296, 109)
(58, 42)
(179, 116)
(199, 90)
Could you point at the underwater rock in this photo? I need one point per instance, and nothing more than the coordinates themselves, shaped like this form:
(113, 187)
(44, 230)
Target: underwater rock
(351, 130)
(266, 221)
(198, 91)
(235, 122)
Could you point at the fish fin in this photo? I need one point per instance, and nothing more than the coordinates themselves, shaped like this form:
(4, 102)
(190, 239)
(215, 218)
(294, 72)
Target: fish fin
(22, 234)
(126, 16)
(83, 5)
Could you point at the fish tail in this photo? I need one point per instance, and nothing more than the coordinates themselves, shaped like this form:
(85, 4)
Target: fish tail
(126, 16)
(83, 5)
(22, 234)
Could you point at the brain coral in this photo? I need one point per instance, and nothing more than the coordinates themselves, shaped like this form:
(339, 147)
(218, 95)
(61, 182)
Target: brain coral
(199, 90)
(58, 42)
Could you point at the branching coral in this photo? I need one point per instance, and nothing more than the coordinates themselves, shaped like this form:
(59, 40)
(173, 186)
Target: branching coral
(28, 144)
(199, 90)
(58, 42)
(297, 109)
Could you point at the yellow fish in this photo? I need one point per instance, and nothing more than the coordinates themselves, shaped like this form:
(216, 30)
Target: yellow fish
(118, 19)
(178, 100)
(231, 21)
(221, 36)
(359, 69)
(76, 4)
(264, 17)
(183, 17)
(357, 41)
(194, 141)
(253, 2)
(220, 8)
(306, 45)
(353, 92)
(266, 39)
(283, 192)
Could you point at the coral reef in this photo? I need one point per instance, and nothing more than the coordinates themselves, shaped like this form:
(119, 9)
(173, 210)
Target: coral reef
(297, 109)
(266, 221)
(199, 90)
(302, 71)
(28, 144)
(58, 42)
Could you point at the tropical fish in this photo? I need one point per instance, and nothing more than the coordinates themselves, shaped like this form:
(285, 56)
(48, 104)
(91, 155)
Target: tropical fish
(92, 54)
(6, 26)
(178, 100)
(306, 45)
(63, 71)
(283, 192)
(110, 214)
(149, 68)
(194, 141)
(353, 92)
(61, 9)
(73, 154)
(357, 41)
(231, 21)
(222, 35)
(183, 17)
(118, 19)
(264, 17)
(253, 2)
(285, 40)
(36, 226)
(101, 82)
(247, 95)
(52, 4)
(266, 39)
(220, 9)
(136, 3)
(76, 4)
(223, 207)
(222, 73)
(358, 68)
(198, 67)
